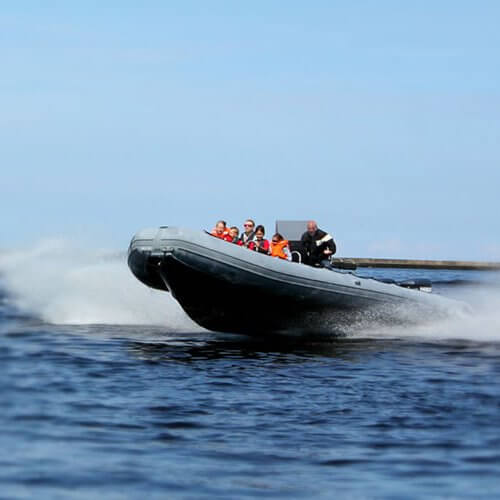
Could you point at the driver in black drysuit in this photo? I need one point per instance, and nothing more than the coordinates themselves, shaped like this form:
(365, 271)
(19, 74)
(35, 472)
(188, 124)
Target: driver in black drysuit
(317, 246)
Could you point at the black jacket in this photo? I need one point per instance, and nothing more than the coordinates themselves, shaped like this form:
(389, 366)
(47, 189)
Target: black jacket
(245, 240)
(313, 246)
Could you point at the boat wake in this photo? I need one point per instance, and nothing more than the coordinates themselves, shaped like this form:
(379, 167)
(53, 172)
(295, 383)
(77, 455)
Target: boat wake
(481, 323)
(60, 284)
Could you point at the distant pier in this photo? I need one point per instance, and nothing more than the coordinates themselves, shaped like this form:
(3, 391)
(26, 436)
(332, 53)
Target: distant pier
(464, 265)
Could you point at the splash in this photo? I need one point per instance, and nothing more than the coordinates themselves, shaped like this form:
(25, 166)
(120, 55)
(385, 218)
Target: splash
(478, 323)
(61, 283)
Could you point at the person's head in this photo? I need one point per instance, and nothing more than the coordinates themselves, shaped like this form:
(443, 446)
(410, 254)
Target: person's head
(220, 227)
(277, 238)
(260, 232)
(249, 226)
(312, 227)
(234, 232)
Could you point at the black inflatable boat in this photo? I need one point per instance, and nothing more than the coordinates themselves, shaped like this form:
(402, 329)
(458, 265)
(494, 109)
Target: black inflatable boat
(228, 288)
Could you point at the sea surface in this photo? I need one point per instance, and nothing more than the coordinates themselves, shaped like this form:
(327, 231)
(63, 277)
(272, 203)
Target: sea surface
(109, 391)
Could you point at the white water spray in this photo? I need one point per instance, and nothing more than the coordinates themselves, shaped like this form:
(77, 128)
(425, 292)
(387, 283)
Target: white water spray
(63, 284)
(481, 323)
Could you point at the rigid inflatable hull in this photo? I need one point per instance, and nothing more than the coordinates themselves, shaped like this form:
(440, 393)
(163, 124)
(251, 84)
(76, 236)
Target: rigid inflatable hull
(230, 289)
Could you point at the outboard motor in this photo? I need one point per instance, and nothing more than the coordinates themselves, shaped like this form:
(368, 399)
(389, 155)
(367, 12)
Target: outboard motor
(343, 264)
(424, 285)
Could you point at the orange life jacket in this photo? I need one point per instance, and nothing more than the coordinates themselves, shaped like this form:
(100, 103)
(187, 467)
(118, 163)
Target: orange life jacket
(278, 249)
(224, 236)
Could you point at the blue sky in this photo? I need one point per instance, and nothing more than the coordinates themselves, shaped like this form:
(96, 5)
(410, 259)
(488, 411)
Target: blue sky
(381, 119)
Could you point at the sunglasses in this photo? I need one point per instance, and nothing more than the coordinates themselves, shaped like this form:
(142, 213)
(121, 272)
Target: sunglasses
(275, 241)
(247, 225)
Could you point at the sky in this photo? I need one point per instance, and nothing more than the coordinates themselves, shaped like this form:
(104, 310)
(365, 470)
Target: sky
(379, 119)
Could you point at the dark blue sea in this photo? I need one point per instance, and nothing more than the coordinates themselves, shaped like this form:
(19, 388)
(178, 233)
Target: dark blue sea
(109, 391)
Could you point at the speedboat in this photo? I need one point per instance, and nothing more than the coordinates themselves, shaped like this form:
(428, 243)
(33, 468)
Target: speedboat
(227, 288)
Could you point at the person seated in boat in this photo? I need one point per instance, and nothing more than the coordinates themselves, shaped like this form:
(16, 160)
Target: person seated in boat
(221, 231)
(234, 233)
(317, 246)
(248, 233)
(259, 243)
(280, 248)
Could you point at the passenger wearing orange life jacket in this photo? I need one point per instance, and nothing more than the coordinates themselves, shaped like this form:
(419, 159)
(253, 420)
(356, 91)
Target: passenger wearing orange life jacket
(280, 248)
(221, 231)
